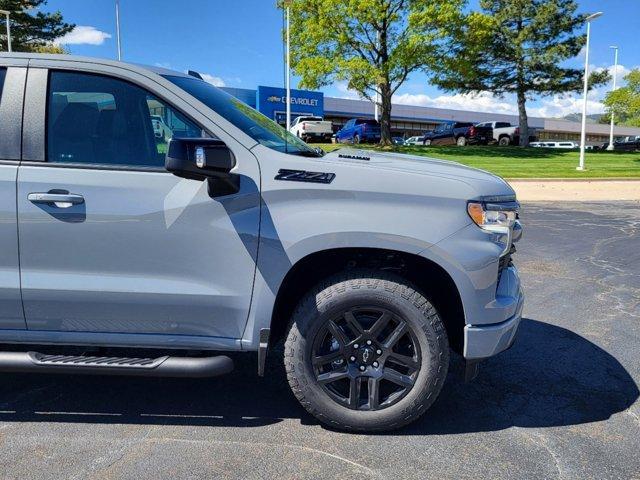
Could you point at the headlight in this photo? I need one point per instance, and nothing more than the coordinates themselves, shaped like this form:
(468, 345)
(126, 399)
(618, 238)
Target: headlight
(491, 215)
(500, 219)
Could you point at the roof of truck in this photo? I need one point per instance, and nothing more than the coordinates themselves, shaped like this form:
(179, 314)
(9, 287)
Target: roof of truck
(95, 60)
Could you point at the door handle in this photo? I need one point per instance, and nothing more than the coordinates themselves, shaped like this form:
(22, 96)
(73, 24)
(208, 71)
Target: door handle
(60, 200)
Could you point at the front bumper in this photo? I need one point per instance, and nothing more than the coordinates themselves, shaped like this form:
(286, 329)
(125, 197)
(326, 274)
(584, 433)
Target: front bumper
(486, 340)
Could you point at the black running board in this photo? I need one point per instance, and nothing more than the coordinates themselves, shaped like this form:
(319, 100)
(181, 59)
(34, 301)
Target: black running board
(192, 367)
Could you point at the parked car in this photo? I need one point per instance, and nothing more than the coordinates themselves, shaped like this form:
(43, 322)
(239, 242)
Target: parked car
(359, 130)
(414, 141)
(160, 128)
(458, 133)
(312, 129)
(628, 145)
(503, 133)
(563, 144)
(398, 141)
(234, 238)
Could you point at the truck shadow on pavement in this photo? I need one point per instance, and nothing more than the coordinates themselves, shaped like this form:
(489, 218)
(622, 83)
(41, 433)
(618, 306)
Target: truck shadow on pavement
(550, 377)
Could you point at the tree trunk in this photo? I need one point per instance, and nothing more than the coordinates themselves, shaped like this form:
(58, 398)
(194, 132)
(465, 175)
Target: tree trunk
(524, 120)
(385, 115)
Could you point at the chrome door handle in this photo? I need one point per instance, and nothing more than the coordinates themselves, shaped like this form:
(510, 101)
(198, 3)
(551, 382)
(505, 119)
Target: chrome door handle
(60, 200)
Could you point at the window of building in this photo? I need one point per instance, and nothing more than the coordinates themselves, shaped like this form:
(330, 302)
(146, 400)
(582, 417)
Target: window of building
(93, 119)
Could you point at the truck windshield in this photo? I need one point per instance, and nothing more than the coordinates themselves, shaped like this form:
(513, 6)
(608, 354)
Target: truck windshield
(250, 121)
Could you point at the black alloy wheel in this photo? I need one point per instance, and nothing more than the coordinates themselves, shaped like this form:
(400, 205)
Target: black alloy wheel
(366, 359)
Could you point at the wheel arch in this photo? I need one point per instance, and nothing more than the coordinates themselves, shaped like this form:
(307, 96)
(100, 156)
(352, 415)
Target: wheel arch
(428, 276)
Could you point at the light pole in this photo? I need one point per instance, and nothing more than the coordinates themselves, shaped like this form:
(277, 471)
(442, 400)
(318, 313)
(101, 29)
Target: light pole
(118, 28)
(6, 14)
(583, 131)
(288, 80)
(615, 71)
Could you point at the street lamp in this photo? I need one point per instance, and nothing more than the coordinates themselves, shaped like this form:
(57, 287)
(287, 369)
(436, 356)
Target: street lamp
(6, 14)
(118, 28)
(615, 71)
(583, 131)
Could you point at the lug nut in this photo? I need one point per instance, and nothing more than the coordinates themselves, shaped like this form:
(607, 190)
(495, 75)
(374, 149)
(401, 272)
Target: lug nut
(352, 358)
(375, 364)
(368, 342)
(362, 368)
(379, 352)
(355, 345)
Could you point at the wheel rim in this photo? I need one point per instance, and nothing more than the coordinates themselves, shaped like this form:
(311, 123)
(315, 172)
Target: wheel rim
(368, 358)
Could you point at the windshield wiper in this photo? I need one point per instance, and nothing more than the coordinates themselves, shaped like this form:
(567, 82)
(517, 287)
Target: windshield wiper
(308, 153)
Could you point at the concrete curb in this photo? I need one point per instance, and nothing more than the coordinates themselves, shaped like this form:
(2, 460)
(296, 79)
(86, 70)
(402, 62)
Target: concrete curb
(572, 179)
(558, 190)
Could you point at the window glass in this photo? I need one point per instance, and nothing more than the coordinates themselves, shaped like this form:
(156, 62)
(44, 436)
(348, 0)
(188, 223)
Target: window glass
(92, 119)
(247, 119)
(3, 73)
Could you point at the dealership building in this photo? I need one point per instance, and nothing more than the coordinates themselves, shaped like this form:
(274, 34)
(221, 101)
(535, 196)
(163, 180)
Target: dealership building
(408, 120)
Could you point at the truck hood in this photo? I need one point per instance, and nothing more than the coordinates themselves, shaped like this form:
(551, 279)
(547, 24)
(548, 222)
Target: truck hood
(483, 182)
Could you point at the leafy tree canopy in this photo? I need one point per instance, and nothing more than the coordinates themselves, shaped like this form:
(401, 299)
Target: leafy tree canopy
(32, 30)
(516, 46)
(372, 45)
(625, 101)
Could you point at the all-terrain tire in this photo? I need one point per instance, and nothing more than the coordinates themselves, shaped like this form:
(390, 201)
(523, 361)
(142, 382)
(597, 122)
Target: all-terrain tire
(348, 290)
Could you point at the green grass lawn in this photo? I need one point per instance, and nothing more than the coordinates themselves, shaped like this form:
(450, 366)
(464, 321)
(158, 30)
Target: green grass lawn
(516, 162)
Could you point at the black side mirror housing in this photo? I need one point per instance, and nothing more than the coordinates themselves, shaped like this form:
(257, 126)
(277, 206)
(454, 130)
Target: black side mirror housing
(199, 158)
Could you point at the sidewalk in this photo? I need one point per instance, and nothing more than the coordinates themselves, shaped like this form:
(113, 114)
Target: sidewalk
(541, 190)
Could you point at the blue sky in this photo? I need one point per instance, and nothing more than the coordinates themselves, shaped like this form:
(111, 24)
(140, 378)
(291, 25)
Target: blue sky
(238, 43)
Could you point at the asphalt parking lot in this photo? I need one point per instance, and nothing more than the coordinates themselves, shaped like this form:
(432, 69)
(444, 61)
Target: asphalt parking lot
(562, 403)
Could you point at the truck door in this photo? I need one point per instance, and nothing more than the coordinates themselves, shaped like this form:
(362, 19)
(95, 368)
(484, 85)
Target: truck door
(12, 79)
(109, 240)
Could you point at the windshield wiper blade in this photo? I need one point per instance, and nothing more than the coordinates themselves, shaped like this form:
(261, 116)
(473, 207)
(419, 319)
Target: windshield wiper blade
(307, 153)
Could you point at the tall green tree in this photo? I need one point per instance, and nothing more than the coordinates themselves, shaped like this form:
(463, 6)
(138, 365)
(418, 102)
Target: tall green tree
(373, 45)
(516, 47)
(624, 102)
(32, 30)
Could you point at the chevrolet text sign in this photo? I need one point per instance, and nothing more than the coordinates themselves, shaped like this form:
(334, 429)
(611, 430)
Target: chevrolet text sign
(272, 102)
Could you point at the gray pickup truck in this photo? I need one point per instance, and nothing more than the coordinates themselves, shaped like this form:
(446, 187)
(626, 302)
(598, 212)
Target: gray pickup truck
(232, 235)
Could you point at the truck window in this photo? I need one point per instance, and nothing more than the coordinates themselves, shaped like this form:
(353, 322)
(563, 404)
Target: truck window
(242, 116)
(93, 119)
(3, 73)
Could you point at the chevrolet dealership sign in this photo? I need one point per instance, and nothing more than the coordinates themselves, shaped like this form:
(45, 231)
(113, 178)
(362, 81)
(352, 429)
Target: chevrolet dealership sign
(272, 102)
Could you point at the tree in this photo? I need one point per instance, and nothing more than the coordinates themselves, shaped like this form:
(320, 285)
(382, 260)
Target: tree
(517, 47)
(624, 102)
(373, 45)
(33, 30)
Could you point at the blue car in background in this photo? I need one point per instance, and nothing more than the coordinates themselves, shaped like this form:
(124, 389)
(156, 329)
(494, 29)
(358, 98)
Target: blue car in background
(359, 130)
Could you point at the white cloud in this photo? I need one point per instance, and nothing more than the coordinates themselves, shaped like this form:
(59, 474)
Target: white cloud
(213, 80)
(346, 92)
(84, 35)
(561, 105)
(481, 102)
(621, 72)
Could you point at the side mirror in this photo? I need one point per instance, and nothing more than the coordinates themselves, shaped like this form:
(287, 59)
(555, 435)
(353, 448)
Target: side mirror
(199, 158)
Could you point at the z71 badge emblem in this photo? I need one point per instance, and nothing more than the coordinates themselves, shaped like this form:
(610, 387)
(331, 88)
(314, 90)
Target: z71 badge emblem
(304, 176)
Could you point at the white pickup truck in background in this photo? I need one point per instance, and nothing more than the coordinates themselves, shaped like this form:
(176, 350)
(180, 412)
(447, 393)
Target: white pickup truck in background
(312, 129)
(506, 134)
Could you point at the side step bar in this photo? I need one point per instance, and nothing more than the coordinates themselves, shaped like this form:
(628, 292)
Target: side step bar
(166, 366)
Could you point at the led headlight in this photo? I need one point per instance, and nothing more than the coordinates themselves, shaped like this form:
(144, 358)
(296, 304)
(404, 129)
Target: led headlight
(499, 219)
(487, 215)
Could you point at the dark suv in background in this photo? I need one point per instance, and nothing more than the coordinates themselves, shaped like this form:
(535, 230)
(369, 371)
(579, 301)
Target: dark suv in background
(458, 133)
